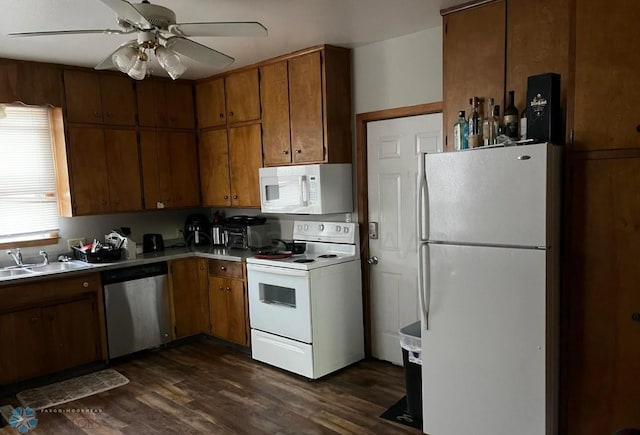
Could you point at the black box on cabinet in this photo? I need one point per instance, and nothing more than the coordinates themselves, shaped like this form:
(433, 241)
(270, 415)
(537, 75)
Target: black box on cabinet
(544, 115)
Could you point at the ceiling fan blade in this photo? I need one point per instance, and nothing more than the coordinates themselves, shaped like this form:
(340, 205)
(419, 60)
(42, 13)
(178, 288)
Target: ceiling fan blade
(107, 63)
(198, 52)
(128, 12)
(71, 32)
(219, 29)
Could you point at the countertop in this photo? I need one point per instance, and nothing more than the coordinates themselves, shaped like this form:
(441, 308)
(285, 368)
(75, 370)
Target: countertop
(218, 253)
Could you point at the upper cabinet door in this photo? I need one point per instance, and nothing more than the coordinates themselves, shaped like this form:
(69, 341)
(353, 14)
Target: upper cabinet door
(118, 100)
(146, 93)
(531, 51)
(305, 99)
(274, 94)
(245, 158)
(211, 104)
(183, 157)
(88, 161)
(243, 96)
(123, 168)
(606, 75)
(214, 168)
(82, 94)
(179, 105)
(473, 60)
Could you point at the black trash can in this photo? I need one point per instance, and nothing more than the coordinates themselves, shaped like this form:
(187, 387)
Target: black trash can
(411, 343)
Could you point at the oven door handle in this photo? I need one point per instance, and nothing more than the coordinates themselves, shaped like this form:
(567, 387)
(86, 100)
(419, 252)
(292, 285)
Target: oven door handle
(275, 270)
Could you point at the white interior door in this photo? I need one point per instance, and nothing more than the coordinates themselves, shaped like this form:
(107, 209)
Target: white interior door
(393, 150)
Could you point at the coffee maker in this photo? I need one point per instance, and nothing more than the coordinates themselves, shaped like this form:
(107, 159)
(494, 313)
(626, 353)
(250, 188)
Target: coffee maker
(197, 230)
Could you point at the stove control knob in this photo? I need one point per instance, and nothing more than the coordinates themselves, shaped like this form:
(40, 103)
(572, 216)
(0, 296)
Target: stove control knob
(306, 227)
(338, 228)
(299, 227)
(321, 227)
(345, 230)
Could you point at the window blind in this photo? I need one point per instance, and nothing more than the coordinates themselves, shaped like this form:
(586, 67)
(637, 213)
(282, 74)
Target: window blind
(28, 203)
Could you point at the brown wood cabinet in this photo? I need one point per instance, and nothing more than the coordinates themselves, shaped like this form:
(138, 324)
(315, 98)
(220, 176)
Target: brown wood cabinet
(228, 299)
(214, 168)
(211, 104)
(276, 129)
(165, 104)
(169, 169)
(229, 162)
(189, 295)
(491, 48)
(473, 60)
(603, 340)
(50, 326)
(31, 83)
(307, 108)
(242, 95)
(104, 168)
(101, 98)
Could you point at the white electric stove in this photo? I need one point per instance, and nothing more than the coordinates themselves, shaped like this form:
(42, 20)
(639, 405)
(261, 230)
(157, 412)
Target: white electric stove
(306, 310)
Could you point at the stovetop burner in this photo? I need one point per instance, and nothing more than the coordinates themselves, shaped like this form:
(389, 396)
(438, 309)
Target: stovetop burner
(327, 256)
(304, 260)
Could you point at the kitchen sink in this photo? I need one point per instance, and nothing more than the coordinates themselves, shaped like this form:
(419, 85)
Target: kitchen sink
(9, 273)
(58, 267)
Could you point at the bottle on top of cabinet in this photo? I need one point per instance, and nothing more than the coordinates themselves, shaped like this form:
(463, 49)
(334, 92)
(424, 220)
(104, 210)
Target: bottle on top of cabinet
(510, 118)
(475, 124)
(461, 132)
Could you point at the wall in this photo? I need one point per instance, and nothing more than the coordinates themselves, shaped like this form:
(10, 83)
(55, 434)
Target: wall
(398, 72)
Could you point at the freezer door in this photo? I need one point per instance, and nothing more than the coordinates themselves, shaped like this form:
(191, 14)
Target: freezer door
(483, 356)
(494, 196)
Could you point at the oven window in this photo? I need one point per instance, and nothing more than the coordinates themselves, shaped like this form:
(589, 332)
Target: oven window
(274, 294)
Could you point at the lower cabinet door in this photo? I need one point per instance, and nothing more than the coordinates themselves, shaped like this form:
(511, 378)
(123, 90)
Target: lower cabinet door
(188, 278)
(22, 345)
(228, 309)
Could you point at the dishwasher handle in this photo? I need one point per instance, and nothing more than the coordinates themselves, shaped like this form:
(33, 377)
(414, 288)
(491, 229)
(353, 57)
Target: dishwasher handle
(134, 272)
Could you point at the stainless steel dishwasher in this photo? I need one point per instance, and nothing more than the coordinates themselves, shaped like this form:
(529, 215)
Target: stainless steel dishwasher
(137, 308)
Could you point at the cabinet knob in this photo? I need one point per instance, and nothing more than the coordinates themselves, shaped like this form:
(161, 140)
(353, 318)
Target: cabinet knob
(235, 196)
(230, 113)
(221, 115)
(226, 197)
(85, 284)
(116, 201)
(34, 319)
(635, 317)
(220, 288)
(108, 114)
(228, 289)
(285, 152)
(298, 151)
(638, 128)
(97, 114)
(222, 268)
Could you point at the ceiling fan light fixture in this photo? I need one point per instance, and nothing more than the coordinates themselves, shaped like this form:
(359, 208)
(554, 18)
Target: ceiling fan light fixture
(171, 62)
(124, 58)
(139, 69)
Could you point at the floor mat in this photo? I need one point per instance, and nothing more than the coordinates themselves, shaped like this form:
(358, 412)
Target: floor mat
(71, 389)
(398, 413)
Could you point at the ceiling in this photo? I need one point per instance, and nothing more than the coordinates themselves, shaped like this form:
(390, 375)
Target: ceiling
(292, 25)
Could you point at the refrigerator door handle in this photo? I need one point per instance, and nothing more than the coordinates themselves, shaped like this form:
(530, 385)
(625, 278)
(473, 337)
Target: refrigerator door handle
(422, 201)
(423, 285)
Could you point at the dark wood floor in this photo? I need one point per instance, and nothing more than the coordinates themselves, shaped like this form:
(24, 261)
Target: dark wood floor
(207, 387)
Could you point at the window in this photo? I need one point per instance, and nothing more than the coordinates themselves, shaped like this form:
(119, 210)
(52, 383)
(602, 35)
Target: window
(28, 200)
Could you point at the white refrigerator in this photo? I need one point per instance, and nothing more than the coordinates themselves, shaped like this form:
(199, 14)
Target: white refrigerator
(489, 221)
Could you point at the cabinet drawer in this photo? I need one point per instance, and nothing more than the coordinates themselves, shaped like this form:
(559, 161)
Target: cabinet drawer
(225, 269)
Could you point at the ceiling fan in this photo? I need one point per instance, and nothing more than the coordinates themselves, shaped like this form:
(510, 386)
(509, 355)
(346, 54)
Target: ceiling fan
(158, 32)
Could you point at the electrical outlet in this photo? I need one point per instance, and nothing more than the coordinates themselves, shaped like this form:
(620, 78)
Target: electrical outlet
(75, 242)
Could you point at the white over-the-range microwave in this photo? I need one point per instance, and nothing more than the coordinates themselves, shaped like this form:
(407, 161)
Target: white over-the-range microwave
(306, 189)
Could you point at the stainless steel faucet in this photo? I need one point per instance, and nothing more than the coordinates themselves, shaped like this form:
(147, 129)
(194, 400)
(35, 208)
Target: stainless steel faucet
(17, 257)
(45, 257)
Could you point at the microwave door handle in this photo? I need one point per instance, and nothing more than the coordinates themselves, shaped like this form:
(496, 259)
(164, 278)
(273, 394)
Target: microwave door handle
(304, 190)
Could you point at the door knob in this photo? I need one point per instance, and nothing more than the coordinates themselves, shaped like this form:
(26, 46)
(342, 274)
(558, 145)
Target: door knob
(372, 260)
